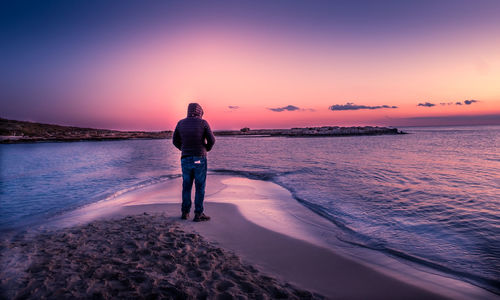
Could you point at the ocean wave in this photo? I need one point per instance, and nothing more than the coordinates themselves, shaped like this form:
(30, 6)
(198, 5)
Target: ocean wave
(353, 237)
(104, 198)
(139, 185)
(259, 175)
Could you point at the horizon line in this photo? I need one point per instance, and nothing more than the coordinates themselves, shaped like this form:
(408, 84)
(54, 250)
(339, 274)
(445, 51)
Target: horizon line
(440, 121)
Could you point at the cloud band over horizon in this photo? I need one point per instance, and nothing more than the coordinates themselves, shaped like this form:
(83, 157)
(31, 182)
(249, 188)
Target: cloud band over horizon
(352, 106)
(466, 102)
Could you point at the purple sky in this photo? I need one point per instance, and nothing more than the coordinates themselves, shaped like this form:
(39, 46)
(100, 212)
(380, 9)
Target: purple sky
(62, 61)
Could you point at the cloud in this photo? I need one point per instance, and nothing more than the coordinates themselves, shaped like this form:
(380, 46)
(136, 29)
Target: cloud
(233, 107)
(352, 106)
(469, 102)
(288, 108)
(466, 102)
(427, 104)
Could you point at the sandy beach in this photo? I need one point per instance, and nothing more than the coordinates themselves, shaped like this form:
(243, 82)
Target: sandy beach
(140, 256)
(256, 246)
(344, 149)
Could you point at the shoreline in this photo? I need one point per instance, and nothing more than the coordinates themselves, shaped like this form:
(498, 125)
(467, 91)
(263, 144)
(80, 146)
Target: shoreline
(271, 232)
(17, 132)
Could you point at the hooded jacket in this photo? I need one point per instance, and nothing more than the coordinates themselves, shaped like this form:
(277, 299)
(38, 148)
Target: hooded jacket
(193, 135)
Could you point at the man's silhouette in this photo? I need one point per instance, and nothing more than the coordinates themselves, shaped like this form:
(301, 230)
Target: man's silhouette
(194, 138)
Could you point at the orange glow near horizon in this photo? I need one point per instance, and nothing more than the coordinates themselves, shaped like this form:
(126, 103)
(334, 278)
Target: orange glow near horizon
(154, 83)
(147, 82)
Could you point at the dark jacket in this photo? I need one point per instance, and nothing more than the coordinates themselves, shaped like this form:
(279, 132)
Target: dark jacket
(193, 135)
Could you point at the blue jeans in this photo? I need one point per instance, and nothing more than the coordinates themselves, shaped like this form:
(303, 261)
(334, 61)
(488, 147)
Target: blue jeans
(193, 168)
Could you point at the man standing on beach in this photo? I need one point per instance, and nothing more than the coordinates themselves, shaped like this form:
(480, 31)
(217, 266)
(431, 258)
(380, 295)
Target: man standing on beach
(194, 138)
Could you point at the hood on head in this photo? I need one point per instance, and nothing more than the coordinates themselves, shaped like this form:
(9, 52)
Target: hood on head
(195, 110)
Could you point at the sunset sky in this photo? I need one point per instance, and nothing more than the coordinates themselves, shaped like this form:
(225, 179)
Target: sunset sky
(135, 65)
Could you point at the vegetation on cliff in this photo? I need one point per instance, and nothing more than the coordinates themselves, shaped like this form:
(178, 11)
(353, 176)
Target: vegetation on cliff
(12, 131)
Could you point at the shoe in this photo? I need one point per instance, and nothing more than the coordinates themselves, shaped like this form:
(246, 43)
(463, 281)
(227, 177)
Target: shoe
(201, 217)
(185, 216)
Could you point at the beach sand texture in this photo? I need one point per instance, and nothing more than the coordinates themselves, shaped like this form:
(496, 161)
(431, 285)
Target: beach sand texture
(137, 246)
(141, 256)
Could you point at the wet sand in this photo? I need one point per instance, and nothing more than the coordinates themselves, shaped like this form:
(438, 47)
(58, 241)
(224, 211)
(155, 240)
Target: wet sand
(137, 246)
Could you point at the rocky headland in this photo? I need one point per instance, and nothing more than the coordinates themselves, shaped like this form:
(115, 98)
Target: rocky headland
(12, 131)
(313, 131)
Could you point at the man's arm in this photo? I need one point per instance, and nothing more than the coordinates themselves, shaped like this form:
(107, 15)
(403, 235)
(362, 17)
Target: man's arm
(209, 136)
(176, 140)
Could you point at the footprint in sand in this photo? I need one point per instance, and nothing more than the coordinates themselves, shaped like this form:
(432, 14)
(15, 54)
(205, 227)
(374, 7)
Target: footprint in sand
(224, 285)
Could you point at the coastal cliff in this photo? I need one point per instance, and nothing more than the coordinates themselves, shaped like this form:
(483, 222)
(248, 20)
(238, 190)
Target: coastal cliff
(12, 131)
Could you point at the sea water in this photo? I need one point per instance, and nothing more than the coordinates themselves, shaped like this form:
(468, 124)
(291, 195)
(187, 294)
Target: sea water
(431, 197)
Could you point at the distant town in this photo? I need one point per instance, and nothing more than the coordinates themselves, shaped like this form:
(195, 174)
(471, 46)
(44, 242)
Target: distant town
(12, 131)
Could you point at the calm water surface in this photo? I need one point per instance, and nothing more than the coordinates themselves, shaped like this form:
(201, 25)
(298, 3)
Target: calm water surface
(430, 197)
